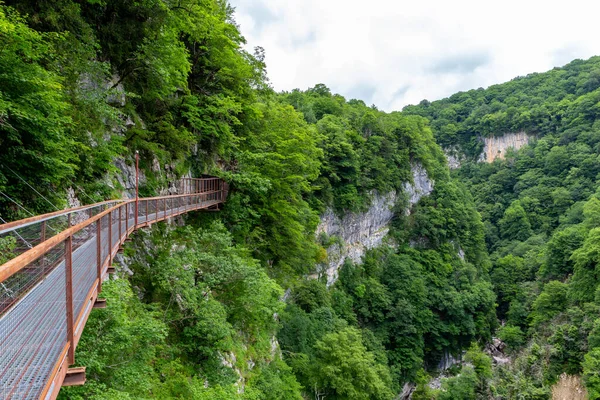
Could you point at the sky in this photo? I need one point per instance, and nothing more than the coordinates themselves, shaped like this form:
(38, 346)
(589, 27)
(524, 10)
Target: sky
(394, 53)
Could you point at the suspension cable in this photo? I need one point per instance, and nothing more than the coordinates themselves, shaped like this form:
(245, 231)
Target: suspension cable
(18, 205)
(22, 208)
(18, 176)
(17, 233)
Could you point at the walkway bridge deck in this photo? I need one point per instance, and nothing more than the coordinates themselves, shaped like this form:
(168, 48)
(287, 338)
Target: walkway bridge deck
(52, 282)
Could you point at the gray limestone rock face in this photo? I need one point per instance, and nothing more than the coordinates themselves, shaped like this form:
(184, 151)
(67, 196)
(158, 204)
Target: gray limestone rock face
(72, 199)
(496, 146)
(360, 232)
(420, 186)
(448, 360)
(454, 156)
(126, 177)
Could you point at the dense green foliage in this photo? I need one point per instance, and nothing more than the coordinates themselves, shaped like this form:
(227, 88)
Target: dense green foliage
(560, 101)
(228, 306)
(204, 300)
(364, 149)
(540, 207)
(200, 315)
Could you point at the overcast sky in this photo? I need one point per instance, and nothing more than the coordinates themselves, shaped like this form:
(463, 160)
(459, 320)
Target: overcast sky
(394, 53)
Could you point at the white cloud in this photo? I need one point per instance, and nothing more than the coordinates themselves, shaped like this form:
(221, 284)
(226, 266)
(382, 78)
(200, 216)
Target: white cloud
(393, 53)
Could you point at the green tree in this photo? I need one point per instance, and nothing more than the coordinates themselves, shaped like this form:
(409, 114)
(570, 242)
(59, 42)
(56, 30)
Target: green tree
(513, 336)
(462, 386)
(514, 224)
(344, 369)
(591, 373)
(33, 122)
(550, 302)
(585, 276)
(560, 247)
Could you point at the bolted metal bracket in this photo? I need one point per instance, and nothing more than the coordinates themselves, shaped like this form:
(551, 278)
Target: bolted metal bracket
(100, 303)
(74, 377)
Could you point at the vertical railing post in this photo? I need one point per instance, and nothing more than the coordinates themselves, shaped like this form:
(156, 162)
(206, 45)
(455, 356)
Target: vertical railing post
(126, 218)
(69, 297)
(156, 210)
(120, 222)
(42, 240)
(99, 253)
(165, 210)
(137, 180)
(43, 232)
(147, 201)
(110, 237)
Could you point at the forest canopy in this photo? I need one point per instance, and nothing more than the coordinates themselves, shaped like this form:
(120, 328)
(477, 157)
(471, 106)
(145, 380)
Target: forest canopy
(232, 304)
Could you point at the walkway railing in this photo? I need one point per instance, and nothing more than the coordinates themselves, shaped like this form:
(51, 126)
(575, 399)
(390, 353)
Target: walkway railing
(53, 277)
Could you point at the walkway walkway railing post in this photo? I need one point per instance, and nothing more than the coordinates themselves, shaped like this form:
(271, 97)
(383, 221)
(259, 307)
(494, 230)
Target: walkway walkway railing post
(137, 181)
(69, 297)
(109, 238)
(120, 222)
(79, 243)
(99, 253)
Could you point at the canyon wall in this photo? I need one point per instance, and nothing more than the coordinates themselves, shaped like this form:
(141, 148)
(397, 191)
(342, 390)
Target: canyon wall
(358, 232)
(496, 146)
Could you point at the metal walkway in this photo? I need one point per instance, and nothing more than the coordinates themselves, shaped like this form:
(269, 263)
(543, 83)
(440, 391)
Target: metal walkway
(49, 288)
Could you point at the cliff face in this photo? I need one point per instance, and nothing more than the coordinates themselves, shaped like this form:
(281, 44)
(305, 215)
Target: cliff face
(454, 156)
(495, 147)
(359, 232)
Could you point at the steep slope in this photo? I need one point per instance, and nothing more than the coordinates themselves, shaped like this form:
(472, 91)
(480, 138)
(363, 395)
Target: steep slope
(198, 312)
(540, 210)
(538, 104)
(422, 291)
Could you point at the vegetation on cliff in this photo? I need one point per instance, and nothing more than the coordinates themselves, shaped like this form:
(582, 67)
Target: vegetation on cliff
(507, 249)
(541, 211)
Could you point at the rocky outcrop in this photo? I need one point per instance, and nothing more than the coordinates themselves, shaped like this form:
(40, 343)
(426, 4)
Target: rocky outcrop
(496, 147)
(496, 350)
(448, 360)
(126, 177)
(419, 187)
(407, 391)
(355, 233)
(454, 156)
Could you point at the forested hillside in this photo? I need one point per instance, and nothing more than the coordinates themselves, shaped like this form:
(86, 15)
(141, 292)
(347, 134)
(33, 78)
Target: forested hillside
(541, 211)
(199, 311)
(231, 304)
(553, 102)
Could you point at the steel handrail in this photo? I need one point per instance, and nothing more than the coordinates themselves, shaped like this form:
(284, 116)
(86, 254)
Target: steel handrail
(119, 222)
(9, 226)
(13, 266)
(21, 223)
